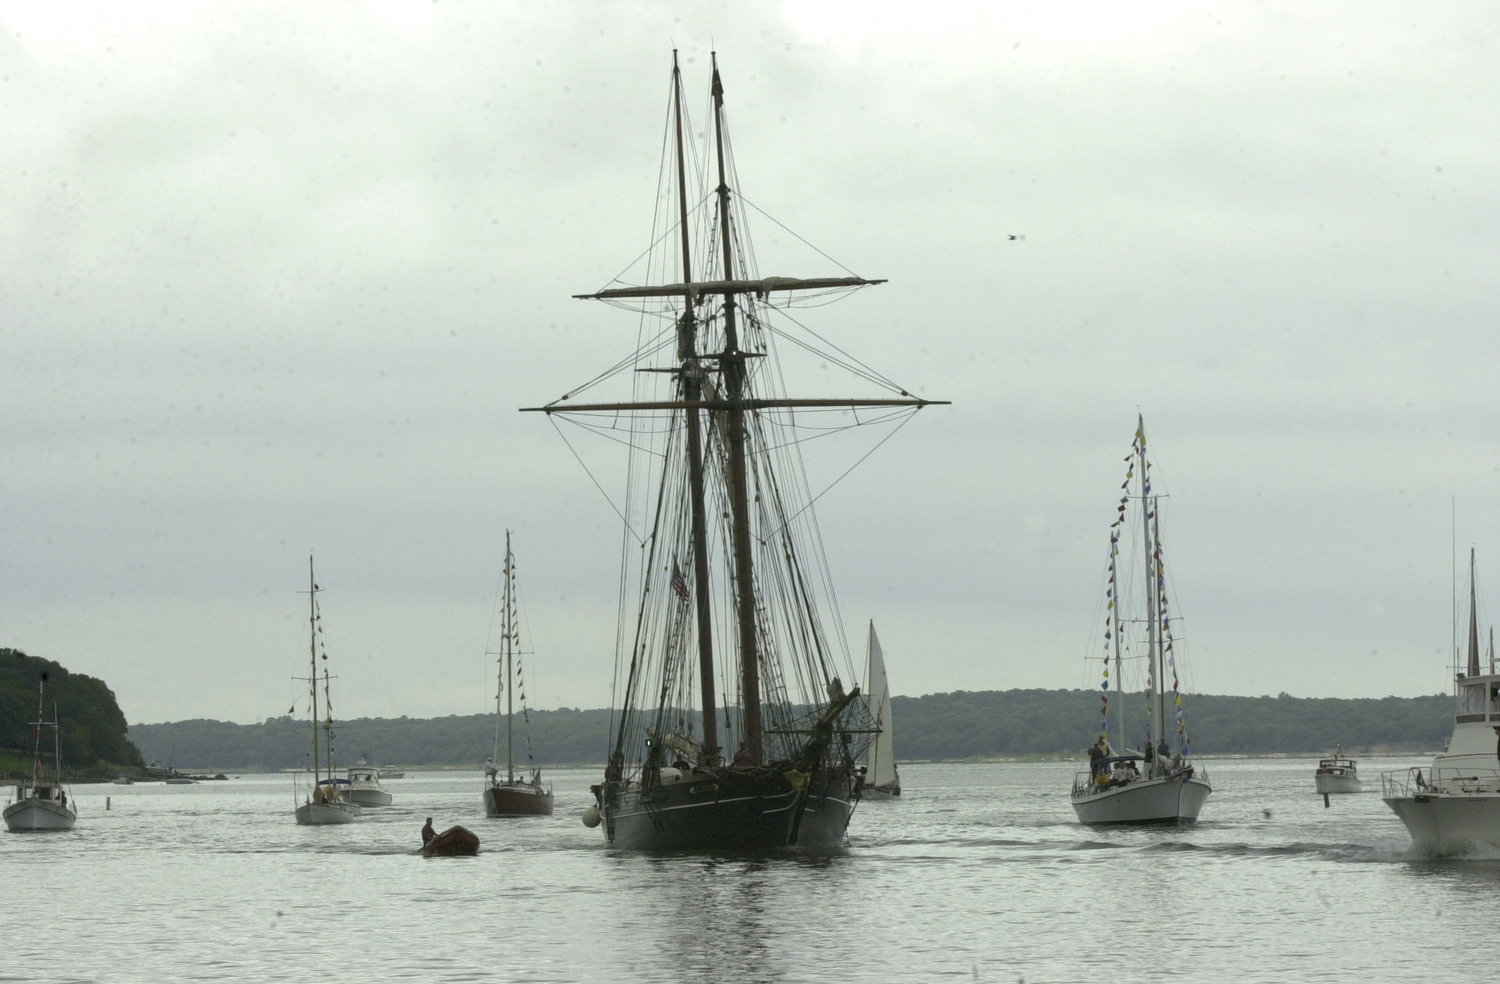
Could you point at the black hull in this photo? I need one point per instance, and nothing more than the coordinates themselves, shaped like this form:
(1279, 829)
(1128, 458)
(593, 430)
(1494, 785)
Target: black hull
(519, 800)
(730, 813)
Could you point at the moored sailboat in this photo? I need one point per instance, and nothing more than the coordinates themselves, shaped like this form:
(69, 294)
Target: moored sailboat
(42, 803)
(879, 776)
(1455, 806)
(1155, 785)
(724, 550)
(326, 802)
(513, 796)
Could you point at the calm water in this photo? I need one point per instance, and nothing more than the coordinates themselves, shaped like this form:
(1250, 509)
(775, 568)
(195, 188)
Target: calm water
(978, 873)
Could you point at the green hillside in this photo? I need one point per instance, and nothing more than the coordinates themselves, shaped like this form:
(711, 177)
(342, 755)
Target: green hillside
(92, 725)
(953, 726)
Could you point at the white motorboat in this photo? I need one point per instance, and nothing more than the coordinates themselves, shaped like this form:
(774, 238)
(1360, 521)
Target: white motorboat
(516, 795)
(1337, 774)
(1155, 785)
(364, 787)
(42, 803)
(326, 802)
(880, 777)
(1455, 806)
(392, 774)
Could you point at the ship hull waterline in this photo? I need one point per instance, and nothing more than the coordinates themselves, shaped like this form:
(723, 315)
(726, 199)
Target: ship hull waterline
(729, 816)
(320, 814)
(34, 815)
(1449, 824)
(1339, 784)
(369, 797)
(1177, 800)
(517, 801)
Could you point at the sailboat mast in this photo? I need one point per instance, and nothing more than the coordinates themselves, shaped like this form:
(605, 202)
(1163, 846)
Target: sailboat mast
(41, 708)
(510, 678)
(733, 363)
(691, 382)
(1153, 677)
(312, 642)
(1156, 588)
(1473, 622)
(328, 728)
(1114, 597)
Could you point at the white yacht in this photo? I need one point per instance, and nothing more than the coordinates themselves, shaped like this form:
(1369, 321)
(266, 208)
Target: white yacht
(42, 803)
(1155, 785)
(1337, 774)
(1456, 804)
(364, 787)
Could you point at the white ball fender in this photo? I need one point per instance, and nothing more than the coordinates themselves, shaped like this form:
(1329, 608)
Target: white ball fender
(591, 816)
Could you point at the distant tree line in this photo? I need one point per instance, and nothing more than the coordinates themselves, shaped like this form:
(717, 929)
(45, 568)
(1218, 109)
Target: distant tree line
(952, 726)
(92, 725)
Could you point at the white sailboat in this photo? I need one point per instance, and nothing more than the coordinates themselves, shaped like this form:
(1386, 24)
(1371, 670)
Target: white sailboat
(42, 803)
(1456, 805)
(879, 773)
(325, 803)
(1155, 785)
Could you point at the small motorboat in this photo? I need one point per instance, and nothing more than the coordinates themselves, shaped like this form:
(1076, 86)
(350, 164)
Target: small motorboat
(123, 781)
(1337, 774)
(453, 842)
(364, 787)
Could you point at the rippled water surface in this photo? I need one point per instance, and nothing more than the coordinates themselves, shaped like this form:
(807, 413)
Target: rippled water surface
(978, 873)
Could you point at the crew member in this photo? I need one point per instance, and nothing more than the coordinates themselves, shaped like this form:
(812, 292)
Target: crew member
(428, 833)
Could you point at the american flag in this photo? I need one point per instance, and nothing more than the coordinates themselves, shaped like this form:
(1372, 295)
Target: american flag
(679, 583)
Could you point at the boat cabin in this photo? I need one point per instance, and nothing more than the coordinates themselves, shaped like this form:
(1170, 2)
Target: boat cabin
(364, 777)
(44, 791)
(1336, 766)
(1476, 713)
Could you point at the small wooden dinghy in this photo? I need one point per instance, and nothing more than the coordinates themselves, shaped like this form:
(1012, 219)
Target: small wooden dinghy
(453, 842)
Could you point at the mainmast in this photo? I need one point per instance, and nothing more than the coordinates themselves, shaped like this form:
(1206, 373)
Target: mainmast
(1114, 600)
(1156, 594)
(1473, 622)
(1153, 723)
(691, 384)
(312, 637)
(41, 706)
(510, 677)
(732, 361)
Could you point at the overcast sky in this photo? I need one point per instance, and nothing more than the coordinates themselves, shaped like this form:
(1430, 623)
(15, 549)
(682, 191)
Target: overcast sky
(276, 277)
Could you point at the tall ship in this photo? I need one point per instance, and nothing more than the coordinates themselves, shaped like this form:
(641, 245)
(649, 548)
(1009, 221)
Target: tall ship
(516, 795)
(1455, 805)
(1157, 782)
(42, 803)
(879, 775)
(732, 728)
(327, 801)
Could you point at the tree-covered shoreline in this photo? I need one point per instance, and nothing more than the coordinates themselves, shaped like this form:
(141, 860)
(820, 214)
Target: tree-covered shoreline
(93, 726)
(958, 726)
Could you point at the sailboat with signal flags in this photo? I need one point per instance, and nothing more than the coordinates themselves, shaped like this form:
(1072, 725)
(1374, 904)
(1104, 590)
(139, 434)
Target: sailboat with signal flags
(1156, 784)
(327, 802)
(723, 560)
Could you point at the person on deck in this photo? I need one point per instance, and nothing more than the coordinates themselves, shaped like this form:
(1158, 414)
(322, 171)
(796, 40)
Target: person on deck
(742, 759)
(489, 768)
(1098, 752)
(428, 833)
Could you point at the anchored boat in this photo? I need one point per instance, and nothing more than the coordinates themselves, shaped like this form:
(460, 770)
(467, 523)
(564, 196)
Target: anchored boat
(1337, 774)
(1455, 805)
(723, 552)
(1155, 784)
(326, 802)
(515, 795)
(42, 803)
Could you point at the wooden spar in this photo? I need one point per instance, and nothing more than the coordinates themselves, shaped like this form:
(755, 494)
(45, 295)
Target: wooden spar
(1473, 622)
(725, 405)
(1161, 655)
(1155, 725)
(691, 384)
(733, 365)
(1114, 595)
(510, 677)
(312, 624)
(728, 286)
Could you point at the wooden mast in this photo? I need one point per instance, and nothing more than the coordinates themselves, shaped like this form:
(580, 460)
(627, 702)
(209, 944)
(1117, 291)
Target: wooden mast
(691, 384)
(312, 643)
(732, 360)
(1153, 724)
(1473, 622)
(510, 677)
(1156, 592)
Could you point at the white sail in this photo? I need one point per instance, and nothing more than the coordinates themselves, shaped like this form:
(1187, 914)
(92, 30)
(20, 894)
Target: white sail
(880, 759)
